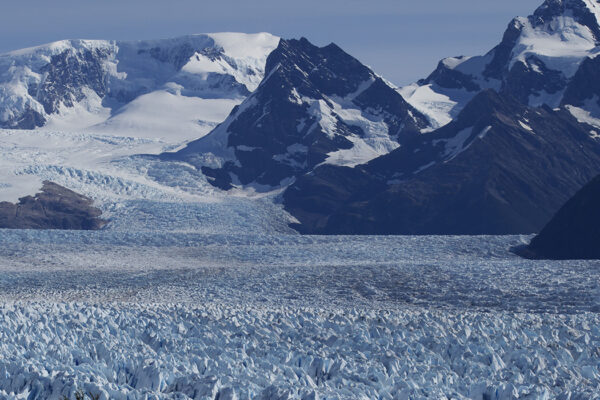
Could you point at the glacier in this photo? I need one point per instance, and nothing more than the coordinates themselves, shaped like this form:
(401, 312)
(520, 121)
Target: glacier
(179, 315)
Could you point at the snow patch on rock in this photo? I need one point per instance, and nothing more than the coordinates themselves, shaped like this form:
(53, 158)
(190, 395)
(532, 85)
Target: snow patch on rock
(562, 44)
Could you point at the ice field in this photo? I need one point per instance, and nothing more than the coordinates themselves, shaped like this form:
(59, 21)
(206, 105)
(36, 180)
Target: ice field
(179, 315)
(190, 293)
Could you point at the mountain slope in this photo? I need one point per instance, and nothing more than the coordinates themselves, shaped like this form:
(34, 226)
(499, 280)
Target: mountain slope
(75, 84)
(517, 135)
(315, 106)
(574, 232)
(537, 60)
(499, 168)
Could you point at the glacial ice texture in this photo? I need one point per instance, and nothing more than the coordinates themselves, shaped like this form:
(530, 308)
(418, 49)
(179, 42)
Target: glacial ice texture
(179, 316)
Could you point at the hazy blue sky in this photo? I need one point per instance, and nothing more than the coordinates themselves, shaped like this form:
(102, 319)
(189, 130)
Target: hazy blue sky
(400, 39)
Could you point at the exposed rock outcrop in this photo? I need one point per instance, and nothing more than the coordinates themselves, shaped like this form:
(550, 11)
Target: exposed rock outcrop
(574, 232)
(54, 207)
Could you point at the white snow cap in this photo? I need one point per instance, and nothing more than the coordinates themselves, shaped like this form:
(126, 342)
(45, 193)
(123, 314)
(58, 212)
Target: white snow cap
(179, 73)
(560, 41)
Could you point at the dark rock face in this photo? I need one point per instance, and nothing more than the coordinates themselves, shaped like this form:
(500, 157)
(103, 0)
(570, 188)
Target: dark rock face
(67, 74)
(277, 133)
(502, 53)
(450, 78)
(574, 232)
(499, 168)
(55, 207)
(532, 78)
(577, 8)
(585, 84)
(30, 119)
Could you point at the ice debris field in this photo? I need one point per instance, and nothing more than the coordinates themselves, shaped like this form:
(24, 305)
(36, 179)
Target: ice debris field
(195, 316)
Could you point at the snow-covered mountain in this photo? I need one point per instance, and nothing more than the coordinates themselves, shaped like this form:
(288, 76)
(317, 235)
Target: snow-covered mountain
(489, 144)
(540, 60)
(517, 135)
(499, 167)
(315, 106)
(148, 88)
(94, 104)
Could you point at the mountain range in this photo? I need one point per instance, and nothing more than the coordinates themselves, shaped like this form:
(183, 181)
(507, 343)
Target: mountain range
(143, 87)
(491, 144)
(316, 106)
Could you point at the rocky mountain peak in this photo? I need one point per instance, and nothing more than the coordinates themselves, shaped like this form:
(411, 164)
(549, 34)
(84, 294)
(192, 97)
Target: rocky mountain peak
(316, 105)
(536, 62)
(586, 12)
(329, 68)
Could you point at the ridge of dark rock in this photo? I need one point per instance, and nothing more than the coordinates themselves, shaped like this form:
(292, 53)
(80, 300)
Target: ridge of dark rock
(512, 168)
(277, 133)
(54, 207)
(573, 232)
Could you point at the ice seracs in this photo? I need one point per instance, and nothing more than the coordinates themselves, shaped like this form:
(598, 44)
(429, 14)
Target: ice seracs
(292, 317)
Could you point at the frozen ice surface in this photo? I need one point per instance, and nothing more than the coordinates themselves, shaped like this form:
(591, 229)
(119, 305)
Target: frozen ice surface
(134, 192)
(205, 351)
(175, 315)
(169, 302)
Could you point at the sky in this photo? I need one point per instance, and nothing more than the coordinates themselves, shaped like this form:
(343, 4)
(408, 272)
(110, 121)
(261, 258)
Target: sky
(402, 40)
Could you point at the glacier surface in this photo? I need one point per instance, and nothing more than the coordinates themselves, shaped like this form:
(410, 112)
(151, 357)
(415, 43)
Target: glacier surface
(176, 315)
